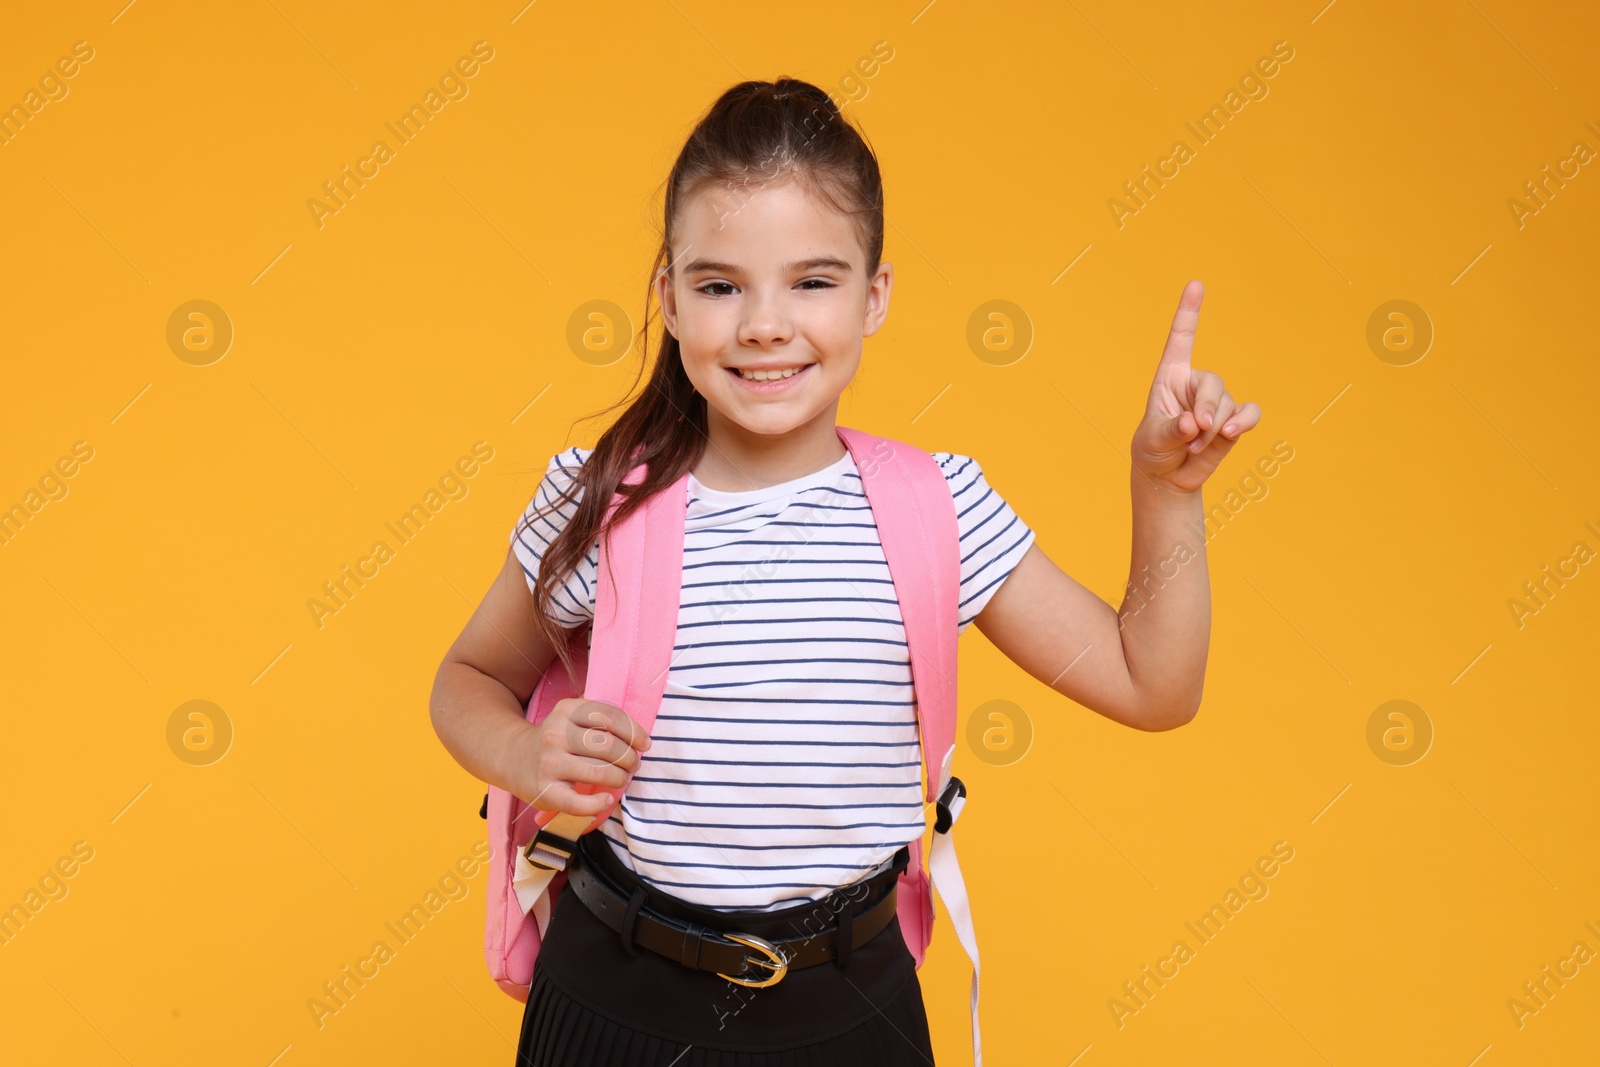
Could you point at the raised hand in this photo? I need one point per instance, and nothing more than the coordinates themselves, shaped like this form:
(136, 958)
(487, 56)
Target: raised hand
(1191, 420)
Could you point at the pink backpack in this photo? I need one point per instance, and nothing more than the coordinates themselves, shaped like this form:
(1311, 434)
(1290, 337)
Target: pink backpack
(636, 612)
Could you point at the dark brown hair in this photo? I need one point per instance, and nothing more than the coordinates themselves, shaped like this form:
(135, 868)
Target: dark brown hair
(757, 133)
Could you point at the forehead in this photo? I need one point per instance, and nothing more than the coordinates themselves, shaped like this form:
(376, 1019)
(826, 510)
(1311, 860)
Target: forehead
(757, 223)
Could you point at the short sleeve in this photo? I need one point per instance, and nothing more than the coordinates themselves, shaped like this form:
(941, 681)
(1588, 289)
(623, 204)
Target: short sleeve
(573, 601)
(993, 537)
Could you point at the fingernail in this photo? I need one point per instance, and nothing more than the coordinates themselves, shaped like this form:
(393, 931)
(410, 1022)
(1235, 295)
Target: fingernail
(1229, 429)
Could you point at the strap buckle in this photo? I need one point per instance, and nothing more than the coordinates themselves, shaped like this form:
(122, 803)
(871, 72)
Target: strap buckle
(550, 851)
(947, 818)
(776, 961)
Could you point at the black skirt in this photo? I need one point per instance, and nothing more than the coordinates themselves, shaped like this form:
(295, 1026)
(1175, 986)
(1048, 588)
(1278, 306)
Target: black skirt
(593, 1003)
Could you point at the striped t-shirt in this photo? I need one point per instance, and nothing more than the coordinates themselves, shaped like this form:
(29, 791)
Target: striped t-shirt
(785, 760)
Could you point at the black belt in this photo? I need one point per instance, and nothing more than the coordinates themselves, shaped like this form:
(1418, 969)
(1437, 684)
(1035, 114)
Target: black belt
(728, 953)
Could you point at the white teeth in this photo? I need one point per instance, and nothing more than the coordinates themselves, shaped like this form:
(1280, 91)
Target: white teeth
(769, 375)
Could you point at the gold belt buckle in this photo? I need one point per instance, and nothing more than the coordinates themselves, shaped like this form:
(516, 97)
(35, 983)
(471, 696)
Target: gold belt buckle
(776, 961)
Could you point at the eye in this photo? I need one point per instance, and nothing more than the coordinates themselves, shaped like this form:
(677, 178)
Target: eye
(822, 282)
(710, 285)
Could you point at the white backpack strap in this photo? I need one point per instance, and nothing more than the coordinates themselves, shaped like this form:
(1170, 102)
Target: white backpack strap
(530, 883)
(552, 847)
(945, 872)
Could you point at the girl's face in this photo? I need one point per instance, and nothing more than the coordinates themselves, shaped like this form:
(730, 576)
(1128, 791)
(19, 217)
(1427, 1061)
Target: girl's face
(769, 278)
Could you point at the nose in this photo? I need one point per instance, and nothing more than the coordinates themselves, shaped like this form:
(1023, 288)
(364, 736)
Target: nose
(765, 320)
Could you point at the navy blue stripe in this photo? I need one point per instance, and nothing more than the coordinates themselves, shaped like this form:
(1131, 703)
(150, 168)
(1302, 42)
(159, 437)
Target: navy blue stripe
(725, 511)
(1002, 577)
(905, 684)
(794, 640)
(826, 827)
(764, 848)
(794, 700)
(1002, 558)
(832, 506)
(998, 509)
(876, 561)
(789, 581)
(772, 785)
(720, 531)
(790, 662)
(785, 742)
(555, 600)
(780, 722)
(968, 509)
(765, 867)
(746, 885)
(852, 765)
(828, 525)
(708, 548)
(986, 544)
(632, 798)
(895, 622)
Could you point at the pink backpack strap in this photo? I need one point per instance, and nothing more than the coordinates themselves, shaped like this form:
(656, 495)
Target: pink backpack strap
(917, 524)
(916, 520)
(635, 625)
(636, 604)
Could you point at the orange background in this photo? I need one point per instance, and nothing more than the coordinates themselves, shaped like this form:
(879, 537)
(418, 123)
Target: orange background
(431, 312)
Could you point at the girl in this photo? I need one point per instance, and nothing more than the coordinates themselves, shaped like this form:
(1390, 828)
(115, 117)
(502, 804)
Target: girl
(782, 783)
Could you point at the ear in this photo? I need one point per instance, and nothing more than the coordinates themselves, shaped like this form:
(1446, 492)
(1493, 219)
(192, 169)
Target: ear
(878, 289)
(667, 297)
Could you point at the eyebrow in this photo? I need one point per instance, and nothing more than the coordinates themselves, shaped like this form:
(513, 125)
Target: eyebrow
(704, 266)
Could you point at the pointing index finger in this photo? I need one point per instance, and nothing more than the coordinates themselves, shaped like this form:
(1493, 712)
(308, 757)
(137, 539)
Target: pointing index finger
(1180, 341)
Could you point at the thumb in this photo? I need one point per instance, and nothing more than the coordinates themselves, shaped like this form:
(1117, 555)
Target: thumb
(1170, 435)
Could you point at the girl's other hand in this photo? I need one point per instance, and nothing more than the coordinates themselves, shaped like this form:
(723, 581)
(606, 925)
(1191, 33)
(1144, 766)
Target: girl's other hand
(582, 748)
(1191, 421)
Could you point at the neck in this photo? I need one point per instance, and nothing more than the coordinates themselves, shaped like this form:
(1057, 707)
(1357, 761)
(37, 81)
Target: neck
(738, 460)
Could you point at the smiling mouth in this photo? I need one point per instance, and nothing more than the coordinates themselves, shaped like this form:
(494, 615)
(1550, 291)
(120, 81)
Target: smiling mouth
(780, 381)
(775, 374)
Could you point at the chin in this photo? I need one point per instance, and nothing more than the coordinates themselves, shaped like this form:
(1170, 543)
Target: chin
(771, 425)
(773, 418)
